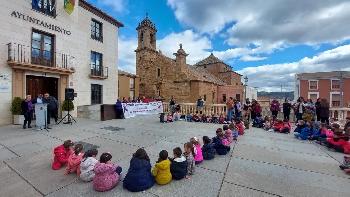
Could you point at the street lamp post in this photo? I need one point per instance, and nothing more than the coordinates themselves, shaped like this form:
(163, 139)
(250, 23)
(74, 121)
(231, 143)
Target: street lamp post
(245, 87)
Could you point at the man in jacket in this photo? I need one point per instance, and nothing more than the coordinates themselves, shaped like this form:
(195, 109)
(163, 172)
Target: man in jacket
(52, 107)
(27, 110)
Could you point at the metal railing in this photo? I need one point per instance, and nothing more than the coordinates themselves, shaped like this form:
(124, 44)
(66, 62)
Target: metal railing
(100, 72)
(24, 54)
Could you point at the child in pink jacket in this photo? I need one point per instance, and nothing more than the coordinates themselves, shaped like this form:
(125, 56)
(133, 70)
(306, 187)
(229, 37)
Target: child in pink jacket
(228, 134)
(198, 158)
(74, 160)
(107, 174)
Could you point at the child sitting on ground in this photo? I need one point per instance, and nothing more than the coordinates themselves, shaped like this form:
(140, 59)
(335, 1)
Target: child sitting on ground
(215, 119)
(234, 130)
(189, 155)
(169, 118)
(258, 122)
(107, 174)
(74, 160)
(346, 164)
(220, 143)
(209, 119)
(203, 118)
(176, 116)
(240, 126)
(87, 165)
(267, 123)
(189, 117)
(228, 134)
(286, 127)
(208, 149)
(305, 133)
(196, 118)
(300, 125)
(161, 170)
(139, 176)
(222, 119)
(61, 154)
(277, 126)
(198, 158)
(178, 167)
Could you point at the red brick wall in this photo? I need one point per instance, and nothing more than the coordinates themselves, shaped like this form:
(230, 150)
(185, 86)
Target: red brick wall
(230, 91)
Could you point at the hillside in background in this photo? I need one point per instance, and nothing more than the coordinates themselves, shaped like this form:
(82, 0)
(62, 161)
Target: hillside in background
(277, 95)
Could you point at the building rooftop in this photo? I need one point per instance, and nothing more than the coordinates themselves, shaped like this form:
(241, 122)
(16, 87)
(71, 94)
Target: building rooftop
(121, 72)
(320, 75)
(211, 59)
(84, 4)
(146, 23)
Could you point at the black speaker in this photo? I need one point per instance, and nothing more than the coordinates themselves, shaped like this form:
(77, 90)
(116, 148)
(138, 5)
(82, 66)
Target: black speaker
(69, 94)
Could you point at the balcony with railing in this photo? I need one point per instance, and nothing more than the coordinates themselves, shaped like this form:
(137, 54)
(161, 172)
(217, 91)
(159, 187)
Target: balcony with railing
(99, 73)
(27, 58)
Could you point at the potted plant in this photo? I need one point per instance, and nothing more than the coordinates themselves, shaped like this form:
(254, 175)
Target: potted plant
(16, 109)
(67, 105)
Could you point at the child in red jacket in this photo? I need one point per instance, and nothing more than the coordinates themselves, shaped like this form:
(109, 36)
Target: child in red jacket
(74, 160)
(240, 126)
(277, 126)
(61, 154)
(286, 127)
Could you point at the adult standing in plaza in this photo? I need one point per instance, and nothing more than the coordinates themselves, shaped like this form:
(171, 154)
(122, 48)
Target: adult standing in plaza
(172, 105)
(299, 108)
(200, 105)
(229, 109)
(238, 109)
(286, 109)
(52, 107)
(318, 109)
(27, 110)
(247, 109)
(274, 108)
(324, 111)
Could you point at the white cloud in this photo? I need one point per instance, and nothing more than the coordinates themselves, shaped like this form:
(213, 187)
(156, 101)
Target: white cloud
(116, 5)
(194, 44)
(249, 58)
(270, 77)
(269, 24)
(127, 58)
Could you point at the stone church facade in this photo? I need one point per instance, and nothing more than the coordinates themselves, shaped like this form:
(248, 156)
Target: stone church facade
(164, 77)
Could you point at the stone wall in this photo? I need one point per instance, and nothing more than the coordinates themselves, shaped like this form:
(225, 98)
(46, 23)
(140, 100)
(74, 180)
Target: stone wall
(92, 112)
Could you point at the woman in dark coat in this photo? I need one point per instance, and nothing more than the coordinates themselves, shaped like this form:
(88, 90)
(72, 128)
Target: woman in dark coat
(119, 109)
(324, 111)
(286, 109)
(318, 108)
(139, 176)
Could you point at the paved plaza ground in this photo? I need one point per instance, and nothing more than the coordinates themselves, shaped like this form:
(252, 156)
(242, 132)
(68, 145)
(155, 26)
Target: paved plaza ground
(261, 164)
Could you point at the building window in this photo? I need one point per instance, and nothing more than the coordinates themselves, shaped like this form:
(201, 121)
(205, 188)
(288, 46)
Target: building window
(313, 85)
(313, 96)
(47, 7)
(205, 97)
(96, 94)
(224, 97)
(132, 83)
(96, 64)
(132, 94)
(335, 98)
(42, 48)
(335, 84)
(158, 72)
(96, 30)
(238, 97)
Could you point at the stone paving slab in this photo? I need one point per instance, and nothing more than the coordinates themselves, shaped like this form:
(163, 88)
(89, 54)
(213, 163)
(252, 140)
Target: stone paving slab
(28, 148)
(14, 184)
(284, 181)
(6, 154)
(140, 140)
(27, 138)
(36, 169)
(316, 163)
(231, 190)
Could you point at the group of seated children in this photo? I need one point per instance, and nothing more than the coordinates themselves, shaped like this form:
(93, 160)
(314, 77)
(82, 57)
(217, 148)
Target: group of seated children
(331, 136)
(140, 176)
(272, 124)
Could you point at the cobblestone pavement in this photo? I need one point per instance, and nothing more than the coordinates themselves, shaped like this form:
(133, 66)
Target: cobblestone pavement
(261, 164)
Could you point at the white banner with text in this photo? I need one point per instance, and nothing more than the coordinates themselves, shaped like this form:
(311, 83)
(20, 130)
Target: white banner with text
(134, 109)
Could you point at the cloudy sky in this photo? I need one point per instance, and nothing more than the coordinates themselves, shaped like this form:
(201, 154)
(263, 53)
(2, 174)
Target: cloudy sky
(269, 41)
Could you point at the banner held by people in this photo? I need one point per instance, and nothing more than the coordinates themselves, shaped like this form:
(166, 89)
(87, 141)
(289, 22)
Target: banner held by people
(134, 109)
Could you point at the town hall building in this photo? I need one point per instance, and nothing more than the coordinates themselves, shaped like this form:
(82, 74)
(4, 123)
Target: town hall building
(164, 77)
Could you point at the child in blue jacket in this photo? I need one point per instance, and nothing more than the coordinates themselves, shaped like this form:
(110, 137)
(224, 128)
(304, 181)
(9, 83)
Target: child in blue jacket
(139, 176)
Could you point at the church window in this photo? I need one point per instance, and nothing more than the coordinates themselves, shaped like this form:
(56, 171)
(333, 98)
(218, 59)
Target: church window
(158, 72)
(205, 97)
